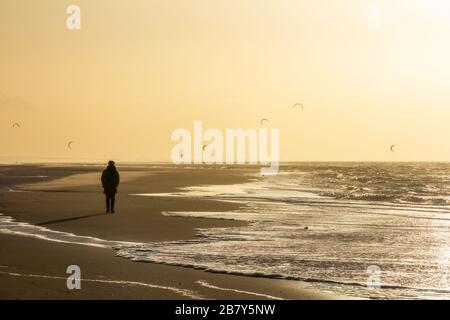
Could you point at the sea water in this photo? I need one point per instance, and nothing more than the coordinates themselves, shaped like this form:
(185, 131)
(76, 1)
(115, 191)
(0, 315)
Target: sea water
(328, 224)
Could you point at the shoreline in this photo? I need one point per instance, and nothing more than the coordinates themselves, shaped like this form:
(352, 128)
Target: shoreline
(137, 220)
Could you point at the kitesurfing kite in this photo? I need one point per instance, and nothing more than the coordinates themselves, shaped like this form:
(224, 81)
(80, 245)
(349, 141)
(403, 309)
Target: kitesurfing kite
(16, 125)
(298, 105)
(69, 145)
(393, 147)
(264, 121)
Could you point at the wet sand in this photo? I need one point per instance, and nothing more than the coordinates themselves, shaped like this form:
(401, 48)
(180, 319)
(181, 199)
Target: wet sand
(70, 199)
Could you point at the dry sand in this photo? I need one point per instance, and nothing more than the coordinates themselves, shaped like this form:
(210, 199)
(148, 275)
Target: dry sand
(72, 201)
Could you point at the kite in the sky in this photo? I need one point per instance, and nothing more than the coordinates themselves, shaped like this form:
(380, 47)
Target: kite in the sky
(298, 105)
(393, 147)
(16, 125)
(69, 145)
(264, 121)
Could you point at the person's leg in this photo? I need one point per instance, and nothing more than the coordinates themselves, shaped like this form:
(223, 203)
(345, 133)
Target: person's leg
(113, 202)
(107, 203)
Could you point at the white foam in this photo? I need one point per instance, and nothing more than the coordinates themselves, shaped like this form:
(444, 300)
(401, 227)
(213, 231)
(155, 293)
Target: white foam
(11, 227)
(209, 215)
(262, 295)
(18, 191)
(239, 192)
(183, 292)
(210, 191)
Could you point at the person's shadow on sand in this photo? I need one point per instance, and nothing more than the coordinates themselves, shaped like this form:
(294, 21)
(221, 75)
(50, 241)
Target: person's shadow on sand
(71, 219)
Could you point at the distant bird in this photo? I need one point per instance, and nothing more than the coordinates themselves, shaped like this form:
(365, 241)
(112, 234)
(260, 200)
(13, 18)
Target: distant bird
(16, 125)
(393, 147)
(69, 144)
(264, 121)
(204, 146)
(298, 105)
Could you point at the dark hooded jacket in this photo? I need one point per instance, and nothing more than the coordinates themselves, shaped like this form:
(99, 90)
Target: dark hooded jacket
(110, 179)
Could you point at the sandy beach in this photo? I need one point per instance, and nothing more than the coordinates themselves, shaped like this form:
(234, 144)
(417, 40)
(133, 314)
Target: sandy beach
(69, 199)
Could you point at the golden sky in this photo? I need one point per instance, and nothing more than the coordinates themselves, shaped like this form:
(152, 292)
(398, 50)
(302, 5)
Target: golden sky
(139, 69)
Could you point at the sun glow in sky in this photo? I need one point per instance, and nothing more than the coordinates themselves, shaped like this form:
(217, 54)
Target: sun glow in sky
(139, 69)
(438, 7)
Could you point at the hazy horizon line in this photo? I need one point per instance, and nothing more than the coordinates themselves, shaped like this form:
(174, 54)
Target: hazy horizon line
(282, 163)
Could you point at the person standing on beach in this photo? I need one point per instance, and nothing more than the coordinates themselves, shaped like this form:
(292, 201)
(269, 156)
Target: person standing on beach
(110, 182)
